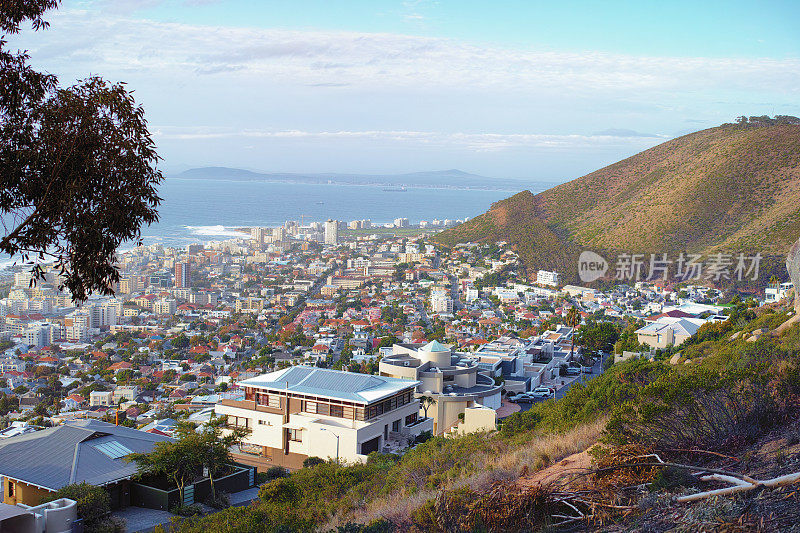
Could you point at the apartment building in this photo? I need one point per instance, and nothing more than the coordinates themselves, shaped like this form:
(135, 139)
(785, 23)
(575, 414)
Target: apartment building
(454, 382)
(77, 326)
(545, 277)
(182, 275)
(166, 306)
(302, 412)
(331, 232)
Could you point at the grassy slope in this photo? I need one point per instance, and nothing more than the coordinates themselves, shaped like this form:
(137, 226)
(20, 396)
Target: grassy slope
(724, 188)
(392, 488)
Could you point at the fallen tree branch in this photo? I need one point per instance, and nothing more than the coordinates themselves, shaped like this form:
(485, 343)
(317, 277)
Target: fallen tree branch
(739, 485)
(708, 452)
(673, 465)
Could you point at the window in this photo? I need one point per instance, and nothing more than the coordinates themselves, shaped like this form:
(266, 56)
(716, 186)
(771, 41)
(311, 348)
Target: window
(310, 407)
(337, 410)
(238, 421)
(274, 401)
(411, 419)
(10, 489)
(295, 435)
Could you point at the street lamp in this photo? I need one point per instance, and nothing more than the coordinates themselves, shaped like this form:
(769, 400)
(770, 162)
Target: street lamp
(337, 442)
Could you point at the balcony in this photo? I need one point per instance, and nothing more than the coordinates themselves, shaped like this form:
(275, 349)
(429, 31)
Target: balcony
(250, 405)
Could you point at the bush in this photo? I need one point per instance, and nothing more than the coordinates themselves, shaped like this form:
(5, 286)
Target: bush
(309, 462)
(94, 505)
(424, 437)
(273, 472)
(699, 409)
(222, 501)
(187, 510)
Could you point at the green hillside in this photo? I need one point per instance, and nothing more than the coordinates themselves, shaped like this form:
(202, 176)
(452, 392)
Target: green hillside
(734, 188)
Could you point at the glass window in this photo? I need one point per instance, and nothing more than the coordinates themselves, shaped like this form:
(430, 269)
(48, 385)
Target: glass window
(295, 435)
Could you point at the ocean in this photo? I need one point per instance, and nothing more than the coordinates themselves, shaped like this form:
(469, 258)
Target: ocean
(201, 210)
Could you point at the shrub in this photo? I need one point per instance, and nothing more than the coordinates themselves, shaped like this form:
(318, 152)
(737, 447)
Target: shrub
(309, 462)
(273, 472)
(698, 409)
(187, 510)
(222, 501)
(94, 505)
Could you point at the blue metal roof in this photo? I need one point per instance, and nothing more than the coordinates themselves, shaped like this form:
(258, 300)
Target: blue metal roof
(362, 388)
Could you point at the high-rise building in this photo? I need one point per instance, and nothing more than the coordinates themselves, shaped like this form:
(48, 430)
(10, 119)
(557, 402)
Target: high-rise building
(182, 275)
(332, 232)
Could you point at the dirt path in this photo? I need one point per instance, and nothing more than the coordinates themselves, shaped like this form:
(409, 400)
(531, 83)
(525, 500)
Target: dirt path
(576, 462)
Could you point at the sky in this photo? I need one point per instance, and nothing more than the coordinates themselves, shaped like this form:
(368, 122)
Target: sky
(510, 89)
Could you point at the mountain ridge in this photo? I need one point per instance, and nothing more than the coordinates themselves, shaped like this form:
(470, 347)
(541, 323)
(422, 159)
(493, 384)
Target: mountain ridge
(732, 188)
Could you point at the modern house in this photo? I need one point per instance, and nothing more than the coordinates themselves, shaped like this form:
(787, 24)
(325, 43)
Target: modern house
(301, 412)
(668, 331)
(455, 383)
(35, 464)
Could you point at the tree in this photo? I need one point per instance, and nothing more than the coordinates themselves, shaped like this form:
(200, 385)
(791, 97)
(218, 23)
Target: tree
(573, 320)
(94, 505)
(425, 402)
(217, 441)
(180, 461)
(599, 336)
(78, 166)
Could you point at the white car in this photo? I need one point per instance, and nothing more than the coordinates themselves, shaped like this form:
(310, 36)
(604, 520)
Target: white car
(541, 392)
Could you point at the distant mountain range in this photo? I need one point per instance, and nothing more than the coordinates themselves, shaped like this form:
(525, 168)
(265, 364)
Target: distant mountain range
(730, 189)
(436, 179)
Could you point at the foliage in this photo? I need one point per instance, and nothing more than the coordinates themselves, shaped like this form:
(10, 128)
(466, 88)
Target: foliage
(181, 461)
(273, 472)
(94, 505)
(599, 336)
(78, 166)
(310, 462)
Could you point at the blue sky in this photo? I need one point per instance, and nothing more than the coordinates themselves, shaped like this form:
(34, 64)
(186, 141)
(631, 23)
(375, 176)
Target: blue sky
(528, 89)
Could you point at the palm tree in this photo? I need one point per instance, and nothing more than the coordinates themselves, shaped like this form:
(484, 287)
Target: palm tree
(425, 402)
(573, 320)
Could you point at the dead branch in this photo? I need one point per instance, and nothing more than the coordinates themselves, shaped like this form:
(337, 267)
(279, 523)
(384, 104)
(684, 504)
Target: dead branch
(740, 484)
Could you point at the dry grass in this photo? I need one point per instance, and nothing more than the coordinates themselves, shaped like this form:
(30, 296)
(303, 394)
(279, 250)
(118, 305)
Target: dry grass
(505, 466)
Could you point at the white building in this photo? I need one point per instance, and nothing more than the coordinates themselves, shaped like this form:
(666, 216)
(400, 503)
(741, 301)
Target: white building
(331, 232)
(302, 412)
(77, 325)
(166, 306)
(776, 293)
(545, 277)
(441, 303)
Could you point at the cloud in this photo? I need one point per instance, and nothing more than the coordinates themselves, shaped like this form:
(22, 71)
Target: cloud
(479, 142)
(621, 132)
(125, 44)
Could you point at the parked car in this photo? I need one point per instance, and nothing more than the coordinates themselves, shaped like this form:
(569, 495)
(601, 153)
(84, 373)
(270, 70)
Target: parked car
(587, 369)
(541, 393)
(523, 398)
(573, 370)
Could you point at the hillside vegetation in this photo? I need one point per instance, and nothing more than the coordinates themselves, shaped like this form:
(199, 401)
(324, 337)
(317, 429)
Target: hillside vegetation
(733, 188)
(721, 406)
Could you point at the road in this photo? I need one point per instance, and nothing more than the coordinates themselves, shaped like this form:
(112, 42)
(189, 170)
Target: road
(597, 369)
